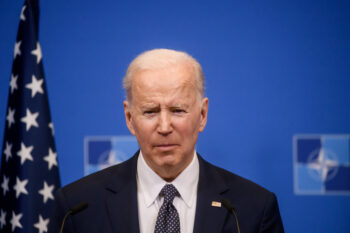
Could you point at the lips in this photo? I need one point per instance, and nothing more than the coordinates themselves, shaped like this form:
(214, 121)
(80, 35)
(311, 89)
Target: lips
(165, 146)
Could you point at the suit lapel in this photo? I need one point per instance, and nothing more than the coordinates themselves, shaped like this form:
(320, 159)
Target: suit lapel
(210, 187)
(121, 198)
(122, 207)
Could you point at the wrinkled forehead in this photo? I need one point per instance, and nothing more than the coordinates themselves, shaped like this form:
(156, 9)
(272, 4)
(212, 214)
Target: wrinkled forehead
(166, 83)
(171, 76)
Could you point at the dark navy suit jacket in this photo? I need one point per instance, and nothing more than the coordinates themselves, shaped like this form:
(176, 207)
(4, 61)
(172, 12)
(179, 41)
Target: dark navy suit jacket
(112, 198)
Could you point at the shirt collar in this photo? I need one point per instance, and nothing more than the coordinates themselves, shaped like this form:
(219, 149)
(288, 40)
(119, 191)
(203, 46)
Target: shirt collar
(151, 183)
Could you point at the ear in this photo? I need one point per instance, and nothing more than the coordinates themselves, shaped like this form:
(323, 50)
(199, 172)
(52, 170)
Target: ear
(204, 114)
(128, 117)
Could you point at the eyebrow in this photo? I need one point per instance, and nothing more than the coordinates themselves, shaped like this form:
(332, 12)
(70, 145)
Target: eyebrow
(155, 106)
(179, 106)
(147, 106)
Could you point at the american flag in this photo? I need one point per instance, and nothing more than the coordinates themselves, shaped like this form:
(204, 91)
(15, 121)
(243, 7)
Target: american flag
(29, 171)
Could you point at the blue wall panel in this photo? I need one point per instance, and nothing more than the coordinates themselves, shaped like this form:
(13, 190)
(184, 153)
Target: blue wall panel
(273, 69)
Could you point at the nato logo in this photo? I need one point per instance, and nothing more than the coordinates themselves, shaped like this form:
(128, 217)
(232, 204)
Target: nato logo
(322, 164)
(105, 151)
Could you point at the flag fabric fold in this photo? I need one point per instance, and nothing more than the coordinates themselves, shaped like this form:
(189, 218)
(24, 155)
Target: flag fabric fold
(29, 169)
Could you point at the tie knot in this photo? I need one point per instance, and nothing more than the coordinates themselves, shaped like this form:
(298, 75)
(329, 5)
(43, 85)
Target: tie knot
(169, 192)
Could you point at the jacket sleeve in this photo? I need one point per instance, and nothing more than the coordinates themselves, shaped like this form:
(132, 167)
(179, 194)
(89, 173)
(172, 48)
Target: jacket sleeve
(271, 222)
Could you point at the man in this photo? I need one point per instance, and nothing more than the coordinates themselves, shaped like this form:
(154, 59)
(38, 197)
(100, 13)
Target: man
(166, 186)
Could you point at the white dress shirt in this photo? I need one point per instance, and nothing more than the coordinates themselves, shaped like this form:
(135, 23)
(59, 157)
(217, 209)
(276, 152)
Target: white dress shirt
(149, 185)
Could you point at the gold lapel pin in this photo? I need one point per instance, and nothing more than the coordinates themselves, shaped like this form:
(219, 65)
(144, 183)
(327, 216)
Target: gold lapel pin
(216, 204)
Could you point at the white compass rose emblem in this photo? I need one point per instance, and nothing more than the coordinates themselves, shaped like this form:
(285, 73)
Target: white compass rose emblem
(111, 157)
(323, 164)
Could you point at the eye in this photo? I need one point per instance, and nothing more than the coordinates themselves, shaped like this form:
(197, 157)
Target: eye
(148, 112)
(178, 110)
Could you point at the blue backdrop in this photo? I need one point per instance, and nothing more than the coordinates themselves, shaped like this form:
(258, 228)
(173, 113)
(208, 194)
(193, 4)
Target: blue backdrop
(273, 69)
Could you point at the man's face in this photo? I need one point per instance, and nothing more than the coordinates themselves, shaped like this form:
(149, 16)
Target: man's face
(166, 115)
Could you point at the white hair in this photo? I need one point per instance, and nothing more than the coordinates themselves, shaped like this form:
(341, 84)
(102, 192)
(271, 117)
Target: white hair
(162, 58)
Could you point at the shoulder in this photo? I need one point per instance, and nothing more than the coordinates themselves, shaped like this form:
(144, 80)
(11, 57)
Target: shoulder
(234, 187)
(116, 174)
(93, 180)
(237, 182)
(256, 207)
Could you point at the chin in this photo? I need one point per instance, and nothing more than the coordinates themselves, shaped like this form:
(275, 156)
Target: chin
(168, 160)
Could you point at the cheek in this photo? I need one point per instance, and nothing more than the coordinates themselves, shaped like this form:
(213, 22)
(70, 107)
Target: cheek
(143, 128)
(187, 127)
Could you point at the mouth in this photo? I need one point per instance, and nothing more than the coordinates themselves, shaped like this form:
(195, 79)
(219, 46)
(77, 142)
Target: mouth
(165, 146)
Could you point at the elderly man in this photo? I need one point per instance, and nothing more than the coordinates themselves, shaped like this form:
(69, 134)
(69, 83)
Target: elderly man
(166, 186)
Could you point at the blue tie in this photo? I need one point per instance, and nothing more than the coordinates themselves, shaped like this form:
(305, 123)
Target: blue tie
(168, 220)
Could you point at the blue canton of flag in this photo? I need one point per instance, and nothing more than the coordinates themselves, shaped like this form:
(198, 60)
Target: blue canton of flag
(29, 171)
(322, 164)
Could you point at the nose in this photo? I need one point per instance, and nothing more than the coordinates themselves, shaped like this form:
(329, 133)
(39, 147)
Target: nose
(164, 123)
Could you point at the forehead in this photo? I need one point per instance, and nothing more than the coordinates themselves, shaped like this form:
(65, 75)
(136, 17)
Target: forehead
(164, 82)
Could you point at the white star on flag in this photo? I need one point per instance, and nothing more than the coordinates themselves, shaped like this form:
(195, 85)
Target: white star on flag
(42, 224)
(25, 153)
(25, 200)
(30, 119)
(7, 151)
(51, 159)
(15, 221)
(10, 117)
(20, 187)
(37, 52)
(35, 86)
(46, 191)
(13, 83)
(52, 128)
(5, 185)
(2, 219)
(23, 17)
(17, 49)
